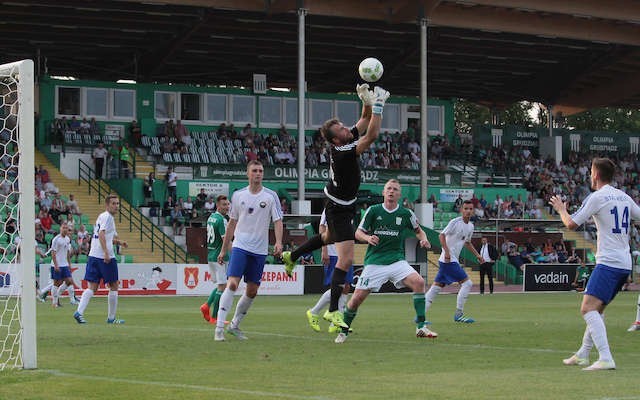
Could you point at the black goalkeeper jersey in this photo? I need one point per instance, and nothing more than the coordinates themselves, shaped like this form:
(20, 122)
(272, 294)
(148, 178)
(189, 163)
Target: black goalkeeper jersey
(344, 172)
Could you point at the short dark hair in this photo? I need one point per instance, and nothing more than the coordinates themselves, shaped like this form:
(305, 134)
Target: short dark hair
(220, 198)
(325, 130)
(467, 202)
(109, 197)
(605, 167)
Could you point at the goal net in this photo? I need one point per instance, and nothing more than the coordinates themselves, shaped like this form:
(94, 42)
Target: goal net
(17, 241)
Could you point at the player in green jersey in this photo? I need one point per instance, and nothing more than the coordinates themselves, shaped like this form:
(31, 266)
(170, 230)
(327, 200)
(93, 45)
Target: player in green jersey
(384, 227)
(216, 228)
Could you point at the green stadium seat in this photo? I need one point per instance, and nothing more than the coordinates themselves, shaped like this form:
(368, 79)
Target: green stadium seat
(82, 258)
(48, 238)
(84, 219)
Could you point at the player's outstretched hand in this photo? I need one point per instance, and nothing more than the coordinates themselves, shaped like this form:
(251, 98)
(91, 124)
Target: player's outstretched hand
(365, 94)
(381, 97)
(557, 203)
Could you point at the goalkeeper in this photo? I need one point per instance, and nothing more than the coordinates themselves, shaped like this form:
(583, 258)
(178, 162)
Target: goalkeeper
(342, 189)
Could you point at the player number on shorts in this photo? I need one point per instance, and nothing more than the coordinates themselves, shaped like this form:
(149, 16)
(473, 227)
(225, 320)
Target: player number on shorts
(625, 220)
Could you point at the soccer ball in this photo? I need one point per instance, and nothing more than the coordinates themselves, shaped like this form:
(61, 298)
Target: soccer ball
(370, 69)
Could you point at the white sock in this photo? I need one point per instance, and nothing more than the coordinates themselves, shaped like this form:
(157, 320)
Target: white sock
(322, 303)
(463, 294)
(587, 345)
(48, 287)
(113, 304)
(598, 331)
(71, 291)
(61, 289)
(241, 310)
(342, 302)
(638, 310)
(431, 296)
(84, 300)
(226, 301)
(54, 295)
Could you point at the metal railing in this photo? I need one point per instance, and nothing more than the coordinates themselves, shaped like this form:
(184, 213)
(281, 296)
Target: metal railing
(148, 230)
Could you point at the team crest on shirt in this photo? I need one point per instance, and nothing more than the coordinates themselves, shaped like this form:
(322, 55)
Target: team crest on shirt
(398, 220)
(250, 210)
(191, 277)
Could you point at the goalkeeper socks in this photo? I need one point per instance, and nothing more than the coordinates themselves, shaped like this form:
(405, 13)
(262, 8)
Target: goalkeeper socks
(322, 302)
(419, 306)
(112, 304)
(463, 294)
(337, 280)
(84, 300)
(431, 296)
(212, 296)
(307, 247)
(241, 310)
(349, 316)
(587, 345)
(216, 304)
(598, 331)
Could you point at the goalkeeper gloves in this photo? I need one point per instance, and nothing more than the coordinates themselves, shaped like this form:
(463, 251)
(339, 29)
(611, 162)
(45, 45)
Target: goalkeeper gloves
(365, 94)
(380, 96)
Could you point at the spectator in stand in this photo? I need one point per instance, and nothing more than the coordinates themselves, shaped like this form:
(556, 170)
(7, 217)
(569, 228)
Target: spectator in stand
(58, 208)
(188, 209)
(535, 212)
(46, 221)
(507, 212)
(561, 251)
(168, 206)
(458, 204)
(432, 200)
(72, 206)
(99, 156)
(74, 124)
(251, 154)
(221, 133)
(180, 130)
(148, 186)
(169, 130)
(210, 205)
(84, 240)
(125, 160)
(45, 200)
(44, 174)
(201, 198)
(114, 161)
(263, 156)
(171, 179)
(135, 133)
(284, 206)
(177, 219)
(71, 224)
(93, 127)
(84, 127)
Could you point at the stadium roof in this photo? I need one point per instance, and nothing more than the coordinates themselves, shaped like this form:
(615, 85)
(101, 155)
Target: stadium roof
(574, 53)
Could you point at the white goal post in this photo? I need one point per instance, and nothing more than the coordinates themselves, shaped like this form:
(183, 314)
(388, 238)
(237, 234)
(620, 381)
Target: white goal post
(17, 216)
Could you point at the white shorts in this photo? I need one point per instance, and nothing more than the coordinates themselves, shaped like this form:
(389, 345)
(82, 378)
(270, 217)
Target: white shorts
(218, 273)
(374, 276)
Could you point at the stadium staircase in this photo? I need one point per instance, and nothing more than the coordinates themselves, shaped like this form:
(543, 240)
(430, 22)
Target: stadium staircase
(146, 242)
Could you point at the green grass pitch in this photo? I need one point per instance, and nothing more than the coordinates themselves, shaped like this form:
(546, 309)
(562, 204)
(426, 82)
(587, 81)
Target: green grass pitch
(166, 351)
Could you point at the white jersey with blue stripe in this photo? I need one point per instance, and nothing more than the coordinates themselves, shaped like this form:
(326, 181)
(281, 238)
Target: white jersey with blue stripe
(613, 211)
(254, 213)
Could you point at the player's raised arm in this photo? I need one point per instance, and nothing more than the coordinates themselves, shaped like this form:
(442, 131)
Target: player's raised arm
(373, 129)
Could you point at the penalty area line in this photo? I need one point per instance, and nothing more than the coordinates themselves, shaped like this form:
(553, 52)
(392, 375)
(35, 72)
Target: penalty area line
(183, 386)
